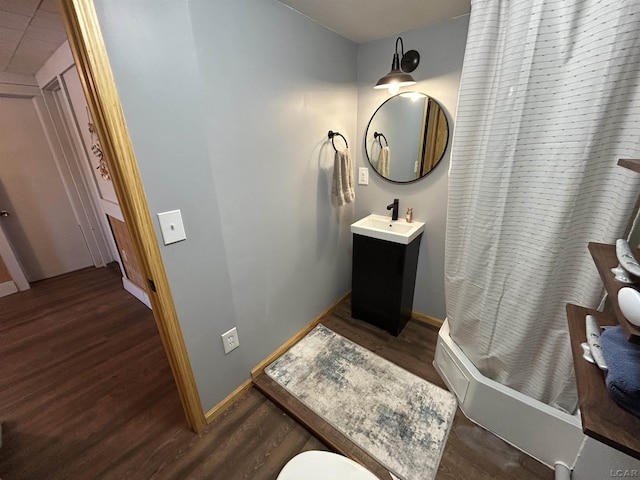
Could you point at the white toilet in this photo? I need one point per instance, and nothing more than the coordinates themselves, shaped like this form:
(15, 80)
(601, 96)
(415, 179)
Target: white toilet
(319, 465)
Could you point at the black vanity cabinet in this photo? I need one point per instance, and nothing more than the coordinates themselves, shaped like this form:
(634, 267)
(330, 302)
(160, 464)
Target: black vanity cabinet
(384, 277)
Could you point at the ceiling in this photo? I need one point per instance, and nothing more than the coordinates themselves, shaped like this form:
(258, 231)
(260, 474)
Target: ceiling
(366, 20)
(30, 32)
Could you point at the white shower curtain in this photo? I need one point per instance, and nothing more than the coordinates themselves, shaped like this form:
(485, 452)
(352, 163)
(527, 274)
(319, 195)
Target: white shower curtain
(549, 101)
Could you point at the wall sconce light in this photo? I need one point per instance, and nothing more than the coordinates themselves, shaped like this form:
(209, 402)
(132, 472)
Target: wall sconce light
(401, 66)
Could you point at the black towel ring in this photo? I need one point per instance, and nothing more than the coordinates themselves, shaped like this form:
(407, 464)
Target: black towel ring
(333, 134)
(378, 135)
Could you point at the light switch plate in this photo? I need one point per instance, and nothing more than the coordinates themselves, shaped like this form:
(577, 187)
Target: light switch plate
(363, 176)
(171, 226)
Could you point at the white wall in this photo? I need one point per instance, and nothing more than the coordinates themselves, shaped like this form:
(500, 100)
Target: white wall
(228, 105)
(441, 50)
(78, 103)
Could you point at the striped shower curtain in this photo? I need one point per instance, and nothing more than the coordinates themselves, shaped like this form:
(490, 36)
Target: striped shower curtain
(549, 101)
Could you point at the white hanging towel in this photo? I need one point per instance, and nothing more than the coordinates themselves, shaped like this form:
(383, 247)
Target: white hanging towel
(342, 189)
(383, 161)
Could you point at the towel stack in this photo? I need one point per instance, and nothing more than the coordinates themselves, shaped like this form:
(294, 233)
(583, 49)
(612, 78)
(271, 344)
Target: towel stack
(342, 189)
(623, 376)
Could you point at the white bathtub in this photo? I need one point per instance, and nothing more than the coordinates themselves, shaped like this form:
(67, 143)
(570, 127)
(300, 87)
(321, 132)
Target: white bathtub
(537, 429)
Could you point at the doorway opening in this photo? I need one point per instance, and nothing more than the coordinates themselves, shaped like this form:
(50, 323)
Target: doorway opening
(104, 109)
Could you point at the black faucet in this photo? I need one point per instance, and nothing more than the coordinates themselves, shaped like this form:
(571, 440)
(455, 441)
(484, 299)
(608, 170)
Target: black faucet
(394, 206)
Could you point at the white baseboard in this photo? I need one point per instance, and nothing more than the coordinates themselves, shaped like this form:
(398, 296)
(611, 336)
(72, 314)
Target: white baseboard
(136, 291)
(8, 288)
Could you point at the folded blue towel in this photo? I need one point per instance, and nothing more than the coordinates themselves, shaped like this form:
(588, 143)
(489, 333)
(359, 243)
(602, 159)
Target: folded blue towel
(623, 377)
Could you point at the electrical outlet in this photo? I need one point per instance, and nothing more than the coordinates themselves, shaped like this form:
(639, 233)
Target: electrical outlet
(230, 340)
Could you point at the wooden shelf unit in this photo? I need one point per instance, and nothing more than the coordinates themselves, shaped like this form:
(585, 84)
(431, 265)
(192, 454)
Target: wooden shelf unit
(630, 163)
(601, 417)
(604, 256)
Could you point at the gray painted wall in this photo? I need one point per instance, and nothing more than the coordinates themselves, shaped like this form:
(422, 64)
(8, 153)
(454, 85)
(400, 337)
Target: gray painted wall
(288, 248)
(228, 106)
(441, 50)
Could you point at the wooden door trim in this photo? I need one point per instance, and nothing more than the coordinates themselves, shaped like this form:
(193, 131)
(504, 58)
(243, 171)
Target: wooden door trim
(89, 52)
(11, 262)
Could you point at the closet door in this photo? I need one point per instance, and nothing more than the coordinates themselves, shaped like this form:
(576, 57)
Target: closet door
(42, 227)
(7, 285)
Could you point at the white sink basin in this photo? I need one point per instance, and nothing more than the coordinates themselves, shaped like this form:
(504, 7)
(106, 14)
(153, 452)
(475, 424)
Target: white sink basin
(383, 228)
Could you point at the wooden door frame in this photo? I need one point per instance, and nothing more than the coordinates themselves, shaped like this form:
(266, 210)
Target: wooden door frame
(90, 55)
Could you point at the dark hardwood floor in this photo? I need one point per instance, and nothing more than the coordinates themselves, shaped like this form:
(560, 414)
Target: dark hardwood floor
(472, 452)
(86, 393)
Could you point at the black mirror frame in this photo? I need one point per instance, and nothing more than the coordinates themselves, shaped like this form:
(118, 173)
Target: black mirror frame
(444, 151)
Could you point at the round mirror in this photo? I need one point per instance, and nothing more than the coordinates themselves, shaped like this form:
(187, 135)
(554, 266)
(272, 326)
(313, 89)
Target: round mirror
(406, 137)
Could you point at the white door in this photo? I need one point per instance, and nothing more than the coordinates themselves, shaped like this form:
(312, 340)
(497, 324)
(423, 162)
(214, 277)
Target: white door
(42, 227)
(7, 285)
(12, 278)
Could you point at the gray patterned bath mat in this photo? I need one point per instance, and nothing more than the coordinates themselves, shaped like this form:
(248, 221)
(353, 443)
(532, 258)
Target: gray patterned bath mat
(398, 418)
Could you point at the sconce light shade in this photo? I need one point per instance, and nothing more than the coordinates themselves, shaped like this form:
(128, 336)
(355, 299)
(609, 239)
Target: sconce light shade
(401, 65)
